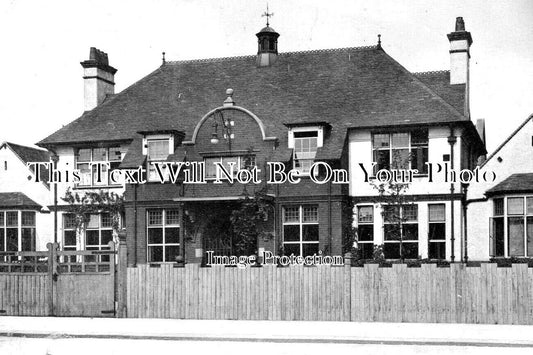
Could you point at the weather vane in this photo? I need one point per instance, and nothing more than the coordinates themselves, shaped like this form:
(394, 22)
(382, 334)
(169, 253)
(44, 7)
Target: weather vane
(268, 15)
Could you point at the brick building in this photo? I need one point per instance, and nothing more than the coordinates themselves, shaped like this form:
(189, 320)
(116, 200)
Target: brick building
(338, 106)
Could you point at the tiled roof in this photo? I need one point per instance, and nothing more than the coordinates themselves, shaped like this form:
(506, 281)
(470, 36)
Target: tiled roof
(348, 88)
(28, 154)
(515, 183)
(439, 81)
(16, 199)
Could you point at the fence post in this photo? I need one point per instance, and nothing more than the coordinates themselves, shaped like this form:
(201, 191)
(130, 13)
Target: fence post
(347, 309)
(52, 274)
(121, 275)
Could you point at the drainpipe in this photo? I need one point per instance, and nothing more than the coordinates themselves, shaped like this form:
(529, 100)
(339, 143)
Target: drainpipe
(465, 208)
(55, 159)
(134, 224)
(452, 140)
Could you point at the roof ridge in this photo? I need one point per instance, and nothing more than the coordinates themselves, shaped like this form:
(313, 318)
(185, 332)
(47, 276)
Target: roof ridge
(431, 72)
(310, 51)
(530, 117)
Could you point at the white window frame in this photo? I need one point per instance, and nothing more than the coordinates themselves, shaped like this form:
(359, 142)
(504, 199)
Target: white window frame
(430, 222)
(417, 241)
(150, 169)
(19, 227)
(410, 147)
(291, 142)
(236, 167)
(300, 223)
(361, 222)
(162, 226)
(106, 181)
(506, 216)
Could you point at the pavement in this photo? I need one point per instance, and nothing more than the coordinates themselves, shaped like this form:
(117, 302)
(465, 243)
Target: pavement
(22, 333)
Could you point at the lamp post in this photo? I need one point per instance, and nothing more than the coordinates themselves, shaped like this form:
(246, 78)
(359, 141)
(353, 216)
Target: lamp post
(226, 127)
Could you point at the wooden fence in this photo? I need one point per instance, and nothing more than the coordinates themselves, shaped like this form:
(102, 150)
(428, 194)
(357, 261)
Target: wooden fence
(455, 294)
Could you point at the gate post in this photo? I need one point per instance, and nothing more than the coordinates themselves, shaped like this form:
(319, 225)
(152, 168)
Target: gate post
(121, 275)
(52, 275)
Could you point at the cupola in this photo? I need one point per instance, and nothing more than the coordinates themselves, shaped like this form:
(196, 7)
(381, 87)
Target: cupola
(267, 44)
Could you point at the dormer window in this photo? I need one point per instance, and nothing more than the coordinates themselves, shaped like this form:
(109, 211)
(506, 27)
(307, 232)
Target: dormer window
(305, 142)
(157, 151)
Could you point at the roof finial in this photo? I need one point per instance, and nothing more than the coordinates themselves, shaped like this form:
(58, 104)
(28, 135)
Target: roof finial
(267, 15)
(379, 41)
(164, 61)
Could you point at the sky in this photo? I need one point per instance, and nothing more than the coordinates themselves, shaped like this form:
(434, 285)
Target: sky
(43, 43)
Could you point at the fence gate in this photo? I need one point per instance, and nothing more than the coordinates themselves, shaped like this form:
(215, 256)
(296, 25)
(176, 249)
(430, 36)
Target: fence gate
(59, 283)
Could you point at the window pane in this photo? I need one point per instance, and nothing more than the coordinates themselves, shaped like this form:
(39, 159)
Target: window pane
(366, 250)
(515, 205)
(437, 250)
(172, 217)
(69, 239)
(210, 167)
(380, 140)
(437, 213)
(102, 180)
(516, 236)
(290, 249)
(437, 231)
(107, 236)
(498, 207)
(28, 239)
(291, 233)
(291, 214)
(529, 204)
(171, 252)
(382, 159)
(172, 235)
(94, 221)
(529, 233)
(410, 212)
(92, 237)
(310, 249)
(410, 250)
(115, 154)
(12, 239)
(498, 235)
(419, 158)
(310, 232)
(400, 159)
(410, 232)
(155, 254)
(158, 149)
(100, 154)
(392, 232)
(365, 232)
(84, 155)
(28, 219)
(69, 221)
(2, 245)
(12, 219)
(366, 214)
(155, 235)
(310, 214)
(400, 140)
(391, 214)
(107, 220)
(419, 137)
(85, 174)
(391, 250)
(1, 218)
(155, 218)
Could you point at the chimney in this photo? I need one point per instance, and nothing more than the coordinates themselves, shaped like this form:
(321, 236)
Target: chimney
(99, 78)
(460, 41)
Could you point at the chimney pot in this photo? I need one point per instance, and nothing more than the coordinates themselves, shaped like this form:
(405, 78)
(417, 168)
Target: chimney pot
(459, 24)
